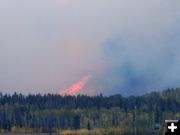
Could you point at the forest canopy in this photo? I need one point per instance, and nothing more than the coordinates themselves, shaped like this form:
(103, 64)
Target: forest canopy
(54, 112)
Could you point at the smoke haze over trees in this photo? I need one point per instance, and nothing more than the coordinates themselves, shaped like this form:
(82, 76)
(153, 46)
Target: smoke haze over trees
(129, 47)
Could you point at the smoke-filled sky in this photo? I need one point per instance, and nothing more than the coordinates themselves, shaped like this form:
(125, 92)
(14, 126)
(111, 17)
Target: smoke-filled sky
(128, 47)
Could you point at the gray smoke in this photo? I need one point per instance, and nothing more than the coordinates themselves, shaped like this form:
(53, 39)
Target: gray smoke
(129, 47)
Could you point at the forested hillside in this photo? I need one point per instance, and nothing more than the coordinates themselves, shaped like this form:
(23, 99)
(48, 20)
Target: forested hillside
(55, 113)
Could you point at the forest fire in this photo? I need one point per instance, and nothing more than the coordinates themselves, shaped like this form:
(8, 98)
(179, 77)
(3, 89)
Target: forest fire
(76, 87)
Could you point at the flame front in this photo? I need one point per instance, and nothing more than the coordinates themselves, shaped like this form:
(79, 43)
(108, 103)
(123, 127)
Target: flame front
(76, 87)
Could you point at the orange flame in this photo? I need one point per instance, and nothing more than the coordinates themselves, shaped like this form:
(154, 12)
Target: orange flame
(76, 87)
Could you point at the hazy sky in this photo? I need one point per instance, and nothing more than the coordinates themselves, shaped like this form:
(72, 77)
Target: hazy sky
(126, 46)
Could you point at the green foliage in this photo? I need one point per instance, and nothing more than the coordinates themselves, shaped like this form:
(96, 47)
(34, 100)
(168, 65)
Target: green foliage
(88, 115)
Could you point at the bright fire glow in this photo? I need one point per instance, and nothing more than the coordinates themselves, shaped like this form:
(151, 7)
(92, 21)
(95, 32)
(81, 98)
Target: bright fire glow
(76, 87)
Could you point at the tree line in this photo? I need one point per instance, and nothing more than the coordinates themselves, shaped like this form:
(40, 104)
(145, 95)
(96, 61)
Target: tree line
(51, 112)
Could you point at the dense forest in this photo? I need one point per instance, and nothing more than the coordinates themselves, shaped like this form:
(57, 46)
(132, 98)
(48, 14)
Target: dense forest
(63, 114)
